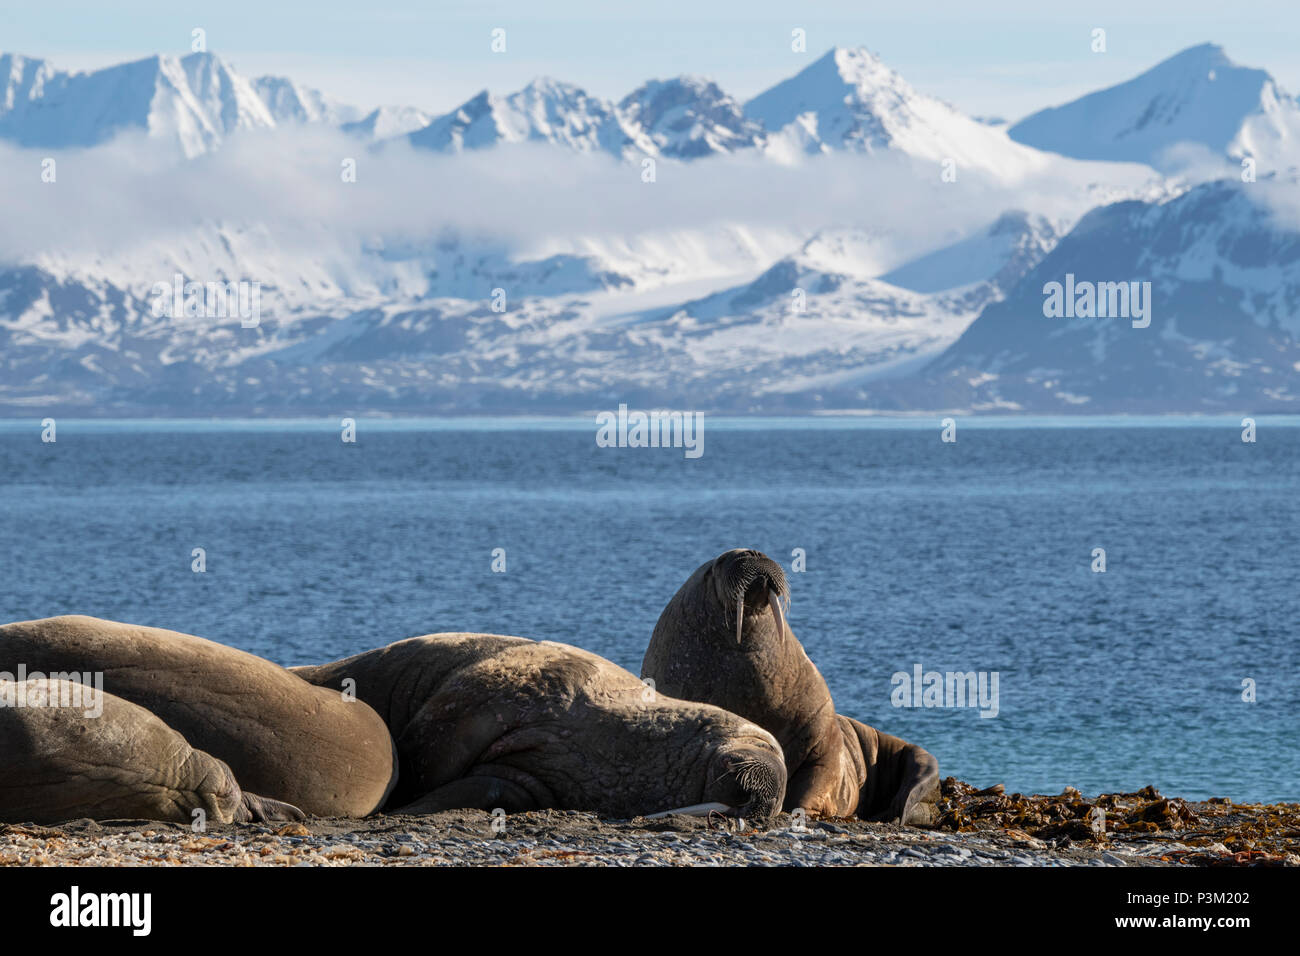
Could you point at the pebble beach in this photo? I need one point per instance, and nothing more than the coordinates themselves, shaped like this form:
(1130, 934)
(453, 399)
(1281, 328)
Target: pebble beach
(978, 828)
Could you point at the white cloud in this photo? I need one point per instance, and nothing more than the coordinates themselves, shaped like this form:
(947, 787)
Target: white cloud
(285, 184)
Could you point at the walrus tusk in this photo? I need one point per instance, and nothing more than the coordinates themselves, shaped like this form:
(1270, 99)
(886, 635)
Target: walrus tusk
(740, 614)
(774, 602)
(695, 810)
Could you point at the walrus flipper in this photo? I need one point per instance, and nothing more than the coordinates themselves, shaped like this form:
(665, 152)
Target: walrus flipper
(916, 801)
(902, 784)
(257, 809)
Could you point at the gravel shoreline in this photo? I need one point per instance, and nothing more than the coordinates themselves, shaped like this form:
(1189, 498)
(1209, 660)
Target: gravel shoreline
(1212, 836)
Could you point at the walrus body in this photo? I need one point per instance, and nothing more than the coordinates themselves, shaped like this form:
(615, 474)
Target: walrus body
(486, 721)
(723, 639)
(281, 737)
(62, 762)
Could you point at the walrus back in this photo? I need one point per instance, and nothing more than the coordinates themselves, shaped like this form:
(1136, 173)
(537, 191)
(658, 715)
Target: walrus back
(485, 720)
(281, 736)
(397, 679)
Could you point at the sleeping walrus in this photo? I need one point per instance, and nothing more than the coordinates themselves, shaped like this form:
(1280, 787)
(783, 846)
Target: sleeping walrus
(281, 737)
(723, 639)
(485, 721)
(114, 761)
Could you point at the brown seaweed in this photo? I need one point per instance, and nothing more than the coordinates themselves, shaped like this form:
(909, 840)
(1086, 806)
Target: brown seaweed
(1214, 832)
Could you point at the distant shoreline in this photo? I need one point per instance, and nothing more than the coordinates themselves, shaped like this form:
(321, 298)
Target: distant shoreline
(828, 421)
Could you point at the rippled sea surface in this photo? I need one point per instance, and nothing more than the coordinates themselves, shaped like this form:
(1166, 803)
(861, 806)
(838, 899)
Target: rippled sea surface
(968, 556)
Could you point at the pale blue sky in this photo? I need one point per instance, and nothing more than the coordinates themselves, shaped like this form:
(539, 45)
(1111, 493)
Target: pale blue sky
(1004, 57)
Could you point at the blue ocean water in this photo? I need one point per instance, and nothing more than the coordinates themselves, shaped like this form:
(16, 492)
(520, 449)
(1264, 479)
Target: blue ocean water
(970, 556)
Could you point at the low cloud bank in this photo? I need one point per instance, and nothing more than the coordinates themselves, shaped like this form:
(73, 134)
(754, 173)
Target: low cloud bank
(290, 184)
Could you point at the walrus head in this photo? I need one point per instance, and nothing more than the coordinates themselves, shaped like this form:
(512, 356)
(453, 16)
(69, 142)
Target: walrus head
(747, 583)
(723, 639)
(745, 778)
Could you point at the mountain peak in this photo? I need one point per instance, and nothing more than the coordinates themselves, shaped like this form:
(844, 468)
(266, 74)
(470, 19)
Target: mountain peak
(386, 122)
(201, 57)
(849, 99)
(550, 86)
(193, 101)
(1197, 96)
(1208, 54)
(674, 86)
(858, 65)
(820, 89)
(13, 63)
(544, 111)
(690, 116)
(22, 78)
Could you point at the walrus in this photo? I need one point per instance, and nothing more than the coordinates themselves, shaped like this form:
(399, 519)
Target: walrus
(280, 736)
(724, 639)
(487, 721)
(63, 763)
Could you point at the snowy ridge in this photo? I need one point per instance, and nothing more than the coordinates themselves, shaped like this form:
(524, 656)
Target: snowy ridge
(543, 111)
(690, 117)
(193, 102)
(849, 100)
(917, 293)
(388, 122)
(289, 102)
(1197, 97)
(1223, 266)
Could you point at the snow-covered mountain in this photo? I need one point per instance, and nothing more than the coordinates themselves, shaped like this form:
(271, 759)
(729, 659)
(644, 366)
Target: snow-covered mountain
(850, 100)
(290, 102)
(859, 280)
(388, 122)
(193, 101)
(818, 318)
(1000, 255)
(427, 337)
(689, 117)
(1221, 264)
(845, 101)
(544, 111)
(1198, 97)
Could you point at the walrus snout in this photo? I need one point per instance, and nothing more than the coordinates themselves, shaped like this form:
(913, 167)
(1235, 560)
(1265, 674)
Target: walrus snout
(750, 779)
(750, 578)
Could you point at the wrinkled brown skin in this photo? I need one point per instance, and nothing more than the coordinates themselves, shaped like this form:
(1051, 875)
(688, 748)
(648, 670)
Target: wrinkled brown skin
(125, 763)
(281, 737)
(485, 721)
(836, 766)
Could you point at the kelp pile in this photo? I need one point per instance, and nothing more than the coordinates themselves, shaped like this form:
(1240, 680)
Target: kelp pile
(1216, 832)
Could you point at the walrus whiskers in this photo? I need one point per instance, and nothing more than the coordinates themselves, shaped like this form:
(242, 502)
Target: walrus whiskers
(750, 775)
(740, 577)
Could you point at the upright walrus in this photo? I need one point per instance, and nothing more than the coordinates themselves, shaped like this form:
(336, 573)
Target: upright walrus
(282, 737)
(723, 639)
(485, 721)
(118, 761)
